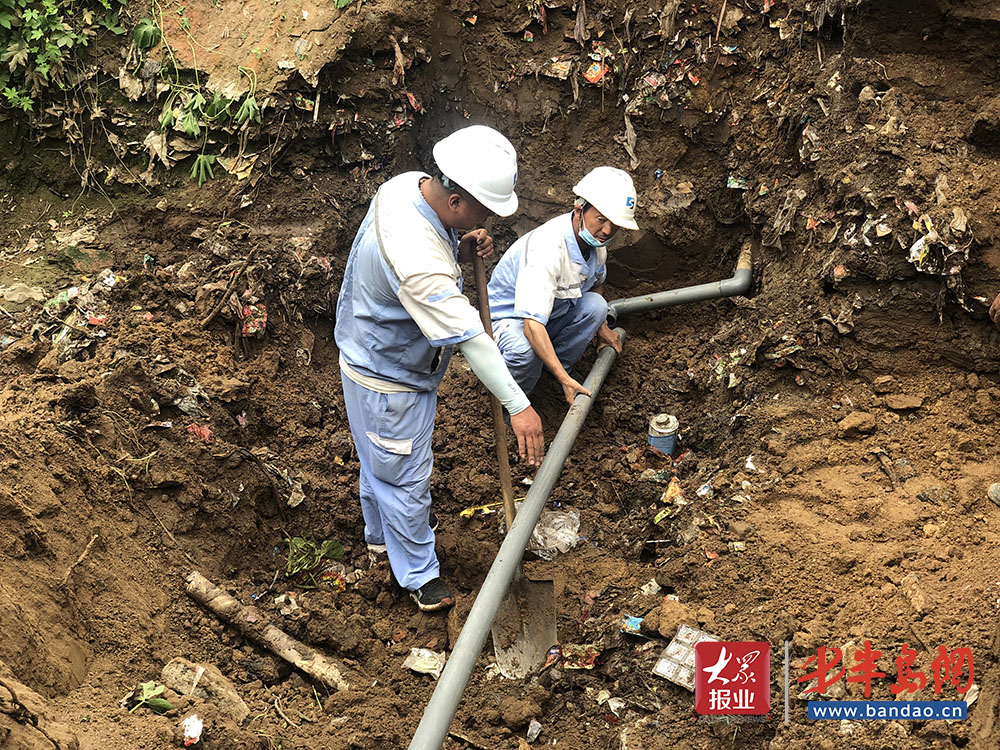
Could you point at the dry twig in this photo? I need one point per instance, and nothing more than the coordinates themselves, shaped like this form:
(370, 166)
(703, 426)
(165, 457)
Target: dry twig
(86, 551)
(229, 290)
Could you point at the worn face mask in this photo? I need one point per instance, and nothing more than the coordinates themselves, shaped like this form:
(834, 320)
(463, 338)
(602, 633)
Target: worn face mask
(591, 239)
(588, 237)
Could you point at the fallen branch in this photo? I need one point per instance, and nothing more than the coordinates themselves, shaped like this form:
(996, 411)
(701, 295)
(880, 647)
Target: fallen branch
(252, 624)
(229, 289)
(86, 551)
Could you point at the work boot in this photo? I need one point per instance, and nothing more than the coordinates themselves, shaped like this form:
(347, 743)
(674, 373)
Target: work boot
(432, 596)
(379, 549)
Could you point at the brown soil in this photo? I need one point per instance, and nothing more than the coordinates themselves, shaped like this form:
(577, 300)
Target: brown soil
(866, 516)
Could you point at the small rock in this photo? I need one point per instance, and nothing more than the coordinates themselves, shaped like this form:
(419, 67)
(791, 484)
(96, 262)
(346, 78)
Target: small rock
(885, 384)
(517, 712)
(206, 682)
(902, 402)
(993, 493)
(857, 423)
(673, 614)
(916, 595)
(972, 380)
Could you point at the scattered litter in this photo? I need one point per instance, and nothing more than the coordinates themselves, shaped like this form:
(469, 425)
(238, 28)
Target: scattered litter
(192, 727)
(425, 661)
(554, 655)
(254, 320)
(737, 183)
(676, 662)
(705, 490)
(58, 304)
(528, 37)
(534, 729)
(557, 67)
(750, 465)
(674, 494)
(650, 588)
(630, 624)
(20, 293)
(971, 694)
(580, 655)
(660, 476)
(287, 604)
(486, 510)
(166, 425)
(595, 72)
(556, 532)
(201, 431)
(737, 546)
(616, 705)
(960, 222)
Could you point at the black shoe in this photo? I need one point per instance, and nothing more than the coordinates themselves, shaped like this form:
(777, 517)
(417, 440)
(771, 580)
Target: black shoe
(432, 520)
(432, 596)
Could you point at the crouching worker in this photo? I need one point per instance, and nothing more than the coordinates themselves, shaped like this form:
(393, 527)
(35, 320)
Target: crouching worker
(399, 314)
(545, 293)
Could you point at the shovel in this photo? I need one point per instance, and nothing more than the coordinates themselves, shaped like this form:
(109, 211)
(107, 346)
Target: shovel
(524, 628)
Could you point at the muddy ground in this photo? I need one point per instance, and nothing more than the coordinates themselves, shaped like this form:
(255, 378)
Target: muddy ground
(138, 444)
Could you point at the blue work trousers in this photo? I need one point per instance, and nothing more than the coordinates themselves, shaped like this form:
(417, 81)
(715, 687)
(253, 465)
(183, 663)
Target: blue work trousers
(571, 327)
(392, 434)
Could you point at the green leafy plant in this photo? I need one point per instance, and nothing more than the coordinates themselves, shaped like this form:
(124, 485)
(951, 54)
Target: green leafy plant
(305, 556)
(146, 34)
(218, 109)
(150, 698)
(341, 4)
(202, 168)
(40, 40)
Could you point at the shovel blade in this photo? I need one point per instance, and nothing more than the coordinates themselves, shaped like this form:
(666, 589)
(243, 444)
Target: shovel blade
(525, 627)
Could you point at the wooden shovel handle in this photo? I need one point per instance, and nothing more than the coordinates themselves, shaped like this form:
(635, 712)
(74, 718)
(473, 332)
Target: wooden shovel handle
(499, 429)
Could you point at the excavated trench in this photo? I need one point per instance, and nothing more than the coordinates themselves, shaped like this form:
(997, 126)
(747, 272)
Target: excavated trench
(864, 387)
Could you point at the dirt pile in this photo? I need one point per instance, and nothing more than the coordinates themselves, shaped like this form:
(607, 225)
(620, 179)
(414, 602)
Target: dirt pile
(839, 424)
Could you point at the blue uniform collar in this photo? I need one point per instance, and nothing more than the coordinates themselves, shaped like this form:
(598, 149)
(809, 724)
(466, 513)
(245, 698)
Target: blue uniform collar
(425, 210)
(575, 254)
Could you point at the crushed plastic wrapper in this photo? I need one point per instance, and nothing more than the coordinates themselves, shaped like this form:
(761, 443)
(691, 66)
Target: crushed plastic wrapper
(192, 727)
(254, 320)
(630, 624)
(580, 655)
(425, 661)
(534, 729)
(556, 532)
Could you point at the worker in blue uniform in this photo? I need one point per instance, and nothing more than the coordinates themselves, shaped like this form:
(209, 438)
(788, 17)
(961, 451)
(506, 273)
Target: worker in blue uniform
(546, 297)
(400, 313)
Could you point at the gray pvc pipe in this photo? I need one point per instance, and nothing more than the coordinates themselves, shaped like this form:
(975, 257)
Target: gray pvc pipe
(738, 284)
(433, 727)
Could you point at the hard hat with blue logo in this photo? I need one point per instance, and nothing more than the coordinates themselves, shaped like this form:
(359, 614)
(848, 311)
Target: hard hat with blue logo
(611, 192)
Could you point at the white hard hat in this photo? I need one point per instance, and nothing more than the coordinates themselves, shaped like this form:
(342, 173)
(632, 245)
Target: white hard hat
(611, 192)
(484, 163)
